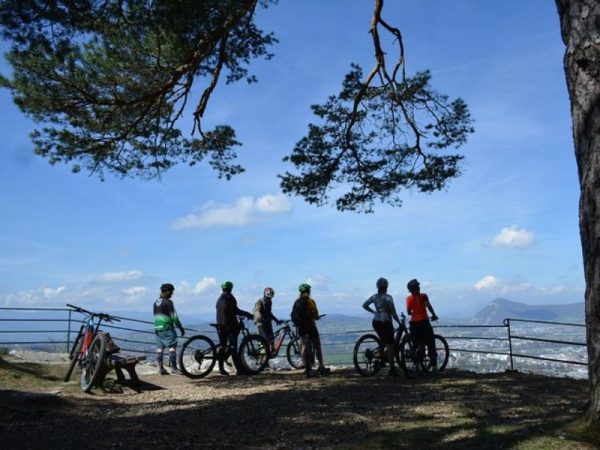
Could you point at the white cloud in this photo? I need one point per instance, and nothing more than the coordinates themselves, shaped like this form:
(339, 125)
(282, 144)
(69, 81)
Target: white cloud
(51, 293)
(204, 285)
(121, 276)
(317, 280)
(243, 211)
(513, 236)
(135, 291)
(486, 282)
(273, 204)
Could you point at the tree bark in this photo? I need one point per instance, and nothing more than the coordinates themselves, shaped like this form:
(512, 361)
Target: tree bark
(580, 28)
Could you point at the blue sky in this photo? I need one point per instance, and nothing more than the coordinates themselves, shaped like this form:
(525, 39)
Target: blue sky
(506, 228)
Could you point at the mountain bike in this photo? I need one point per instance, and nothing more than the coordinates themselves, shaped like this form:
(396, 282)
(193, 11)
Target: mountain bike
(415, 359)
(293, 353)
(370, 356)
(90, 347)
(310, 352)
(199, 354)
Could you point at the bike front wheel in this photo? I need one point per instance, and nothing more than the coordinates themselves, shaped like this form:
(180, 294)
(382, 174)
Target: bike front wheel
(443, 353)
(197, 357)
(92, 362)
(367, 355)
(409, 358)
(75, 354)
(294, 354)
(254, 353)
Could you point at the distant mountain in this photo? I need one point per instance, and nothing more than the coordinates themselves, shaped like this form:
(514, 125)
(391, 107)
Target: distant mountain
(500, 309)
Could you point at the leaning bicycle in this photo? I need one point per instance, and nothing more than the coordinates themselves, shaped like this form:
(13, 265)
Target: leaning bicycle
(415, 359)
(293, 348)
(90, 347)
(199, 353)
(370, 356)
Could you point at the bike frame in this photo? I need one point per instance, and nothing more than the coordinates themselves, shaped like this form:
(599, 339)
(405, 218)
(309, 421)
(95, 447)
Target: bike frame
(279, 336)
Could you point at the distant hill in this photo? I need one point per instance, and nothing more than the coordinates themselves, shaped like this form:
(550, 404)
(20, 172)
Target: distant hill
(500, 309)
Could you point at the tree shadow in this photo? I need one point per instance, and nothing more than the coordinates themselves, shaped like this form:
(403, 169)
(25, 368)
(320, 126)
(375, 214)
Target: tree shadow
(456, 411)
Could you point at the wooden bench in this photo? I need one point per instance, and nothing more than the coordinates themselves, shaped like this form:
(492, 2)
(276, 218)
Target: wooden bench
(119, 363)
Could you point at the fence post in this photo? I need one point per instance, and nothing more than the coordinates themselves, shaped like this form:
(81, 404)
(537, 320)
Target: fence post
(507, 325)
(69, 332)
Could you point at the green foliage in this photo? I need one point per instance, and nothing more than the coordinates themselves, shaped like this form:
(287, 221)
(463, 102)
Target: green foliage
(391, 140)
(108, 80)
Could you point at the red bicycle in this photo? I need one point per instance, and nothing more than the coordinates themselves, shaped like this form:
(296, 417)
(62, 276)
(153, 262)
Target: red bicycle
(90, 347)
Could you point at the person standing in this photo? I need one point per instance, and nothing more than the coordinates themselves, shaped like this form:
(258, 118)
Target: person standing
(263, 316)
(382, 320)
(417, 305)
(304, 315)
(228, 327)
(165, 321)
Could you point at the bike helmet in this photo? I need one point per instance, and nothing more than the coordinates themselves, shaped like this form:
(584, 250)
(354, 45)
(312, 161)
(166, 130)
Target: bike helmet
(167, 287)
(304, 288)
(269, 293)
(227, 285)
(382, 284)
(413, 284)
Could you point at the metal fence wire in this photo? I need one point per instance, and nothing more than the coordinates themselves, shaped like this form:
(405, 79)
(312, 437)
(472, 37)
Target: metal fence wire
(58, 327)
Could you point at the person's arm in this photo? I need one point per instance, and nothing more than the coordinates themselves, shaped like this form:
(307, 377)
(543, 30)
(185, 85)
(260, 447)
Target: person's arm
(175, 318)
(367, 305)
(394, 313)
(315, 309)
(408, 306)
(430, 308)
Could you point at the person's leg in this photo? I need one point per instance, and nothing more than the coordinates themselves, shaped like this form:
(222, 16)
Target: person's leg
(316, 338)
(173, 359)
(159, 354)
(388, 339)
(222, 352)
(233, 349)
(431, 351)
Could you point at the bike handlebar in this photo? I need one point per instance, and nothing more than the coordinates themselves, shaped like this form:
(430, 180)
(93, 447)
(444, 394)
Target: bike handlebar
(103, 316)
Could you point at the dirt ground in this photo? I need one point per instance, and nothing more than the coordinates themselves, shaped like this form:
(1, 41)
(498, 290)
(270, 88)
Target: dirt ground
(283, 409)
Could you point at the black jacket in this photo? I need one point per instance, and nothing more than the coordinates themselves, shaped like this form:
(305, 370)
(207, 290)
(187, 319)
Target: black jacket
(227, 311)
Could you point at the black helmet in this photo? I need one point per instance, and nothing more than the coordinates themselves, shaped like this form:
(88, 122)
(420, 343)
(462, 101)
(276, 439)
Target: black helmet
(413, 284)
(167, 287)
(382, 284)
(227, 286)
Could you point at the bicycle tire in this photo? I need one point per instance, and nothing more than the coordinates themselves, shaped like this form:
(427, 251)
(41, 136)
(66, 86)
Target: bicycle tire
(410, 365)
(366, 361)
(254, 354)
(294, 354)
(443, 353)
(197, 357)
(74, 354)
(92, 361)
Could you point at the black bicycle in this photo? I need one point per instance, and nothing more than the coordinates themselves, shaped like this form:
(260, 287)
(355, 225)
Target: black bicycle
(199, 354)
(310, 351)
(293, 349)
(90, 347)
(370, 355)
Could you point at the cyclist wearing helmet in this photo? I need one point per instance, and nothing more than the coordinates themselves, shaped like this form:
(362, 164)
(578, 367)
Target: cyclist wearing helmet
(228, 326)
(165, 321)
(382, 319)
(304, 316)
(417, 304)
(263, 316)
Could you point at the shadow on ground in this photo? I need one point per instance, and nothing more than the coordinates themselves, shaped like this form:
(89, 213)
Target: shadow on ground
(457, 410)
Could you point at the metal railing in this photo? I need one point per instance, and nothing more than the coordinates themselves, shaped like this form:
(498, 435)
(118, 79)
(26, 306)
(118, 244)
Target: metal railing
(137, 336)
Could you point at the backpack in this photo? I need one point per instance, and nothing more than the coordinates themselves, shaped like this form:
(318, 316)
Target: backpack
(300, 312)
(256, 312)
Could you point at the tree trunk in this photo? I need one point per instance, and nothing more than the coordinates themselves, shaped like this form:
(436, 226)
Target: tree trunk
(580, 27)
